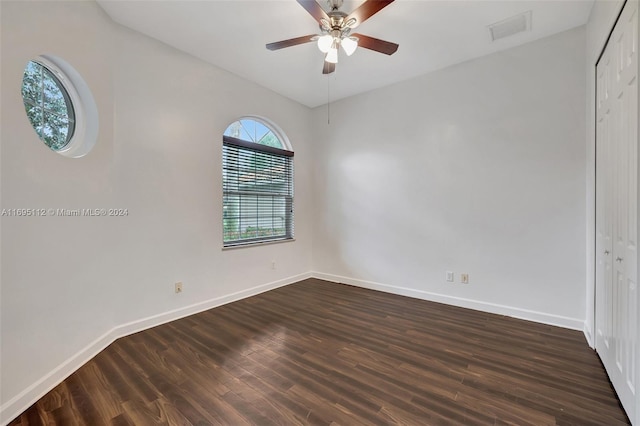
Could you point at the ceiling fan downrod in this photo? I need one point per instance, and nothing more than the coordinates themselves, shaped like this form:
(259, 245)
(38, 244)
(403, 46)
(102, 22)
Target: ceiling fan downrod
(334, 4)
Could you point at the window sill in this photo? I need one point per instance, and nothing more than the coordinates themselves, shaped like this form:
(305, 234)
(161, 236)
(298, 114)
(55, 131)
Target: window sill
(258, 244)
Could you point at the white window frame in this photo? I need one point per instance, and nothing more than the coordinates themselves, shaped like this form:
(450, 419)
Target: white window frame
(290, 225)
(85, 133)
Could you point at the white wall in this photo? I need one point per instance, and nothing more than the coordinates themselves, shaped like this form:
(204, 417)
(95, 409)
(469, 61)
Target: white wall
(55, 275)
(71, 285)
(601, 21)
(477, 168)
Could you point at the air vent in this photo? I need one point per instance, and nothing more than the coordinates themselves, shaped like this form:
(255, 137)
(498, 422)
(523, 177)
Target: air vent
(510, 26)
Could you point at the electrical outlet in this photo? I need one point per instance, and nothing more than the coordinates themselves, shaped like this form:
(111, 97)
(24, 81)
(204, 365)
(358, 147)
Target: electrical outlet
(449, 276)
(179, 287)
(273, 264)
(464, 278)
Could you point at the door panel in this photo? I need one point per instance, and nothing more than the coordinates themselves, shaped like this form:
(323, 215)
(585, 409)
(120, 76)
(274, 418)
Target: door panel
(617, 208)
(604, 212)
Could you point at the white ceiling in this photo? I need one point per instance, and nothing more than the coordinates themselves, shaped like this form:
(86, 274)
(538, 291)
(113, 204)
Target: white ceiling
(232, 35)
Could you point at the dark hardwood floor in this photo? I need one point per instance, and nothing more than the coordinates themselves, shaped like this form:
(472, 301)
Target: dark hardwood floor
(321, 353)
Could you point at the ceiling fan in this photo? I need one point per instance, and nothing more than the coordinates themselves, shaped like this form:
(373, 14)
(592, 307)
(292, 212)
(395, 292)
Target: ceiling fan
(335, 27)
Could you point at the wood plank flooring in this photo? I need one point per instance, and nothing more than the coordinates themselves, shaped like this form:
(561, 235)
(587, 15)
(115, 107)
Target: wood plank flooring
(321, 353)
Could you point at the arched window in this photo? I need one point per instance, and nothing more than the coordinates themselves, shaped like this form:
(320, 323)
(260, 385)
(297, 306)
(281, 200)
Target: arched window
(257, 184)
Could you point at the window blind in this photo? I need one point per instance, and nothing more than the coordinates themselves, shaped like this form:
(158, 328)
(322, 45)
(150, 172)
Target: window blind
(257, 185)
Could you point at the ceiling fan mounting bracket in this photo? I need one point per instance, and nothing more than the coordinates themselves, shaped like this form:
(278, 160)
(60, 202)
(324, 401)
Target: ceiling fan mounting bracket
(334, 4)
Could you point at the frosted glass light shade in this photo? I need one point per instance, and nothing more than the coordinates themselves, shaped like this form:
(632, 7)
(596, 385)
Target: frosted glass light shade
(349, 44)
(324, 43)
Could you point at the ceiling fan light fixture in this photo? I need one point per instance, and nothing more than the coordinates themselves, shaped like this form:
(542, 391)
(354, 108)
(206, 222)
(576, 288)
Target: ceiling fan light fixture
(335, 30)
(324, 43)
(332, 56)
(349, 44)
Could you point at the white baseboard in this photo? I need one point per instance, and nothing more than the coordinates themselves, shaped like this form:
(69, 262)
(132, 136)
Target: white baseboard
(535, 316)
(30, 395)
(165, 317)
(588, 334)
(16, 405)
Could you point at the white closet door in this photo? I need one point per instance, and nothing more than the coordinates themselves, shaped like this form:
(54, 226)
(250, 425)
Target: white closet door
(604, 210)
(617, 209)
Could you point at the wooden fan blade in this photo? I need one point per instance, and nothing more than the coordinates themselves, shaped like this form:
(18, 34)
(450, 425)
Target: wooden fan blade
(314, 9)
(376, 44)
(328, 68)
(290, 42)
(367, 10)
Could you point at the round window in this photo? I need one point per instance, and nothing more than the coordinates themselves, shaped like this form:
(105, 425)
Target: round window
(59, 106)
(48, 106)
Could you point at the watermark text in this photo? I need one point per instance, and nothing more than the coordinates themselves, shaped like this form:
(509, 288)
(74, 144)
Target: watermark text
(58, 212)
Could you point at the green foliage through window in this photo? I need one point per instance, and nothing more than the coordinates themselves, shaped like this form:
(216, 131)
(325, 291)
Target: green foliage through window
(257, 185)
(253, 131)
(48, 106)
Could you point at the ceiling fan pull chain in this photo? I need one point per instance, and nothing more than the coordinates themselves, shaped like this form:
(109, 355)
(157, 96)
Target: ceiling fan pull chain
(328, 99)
